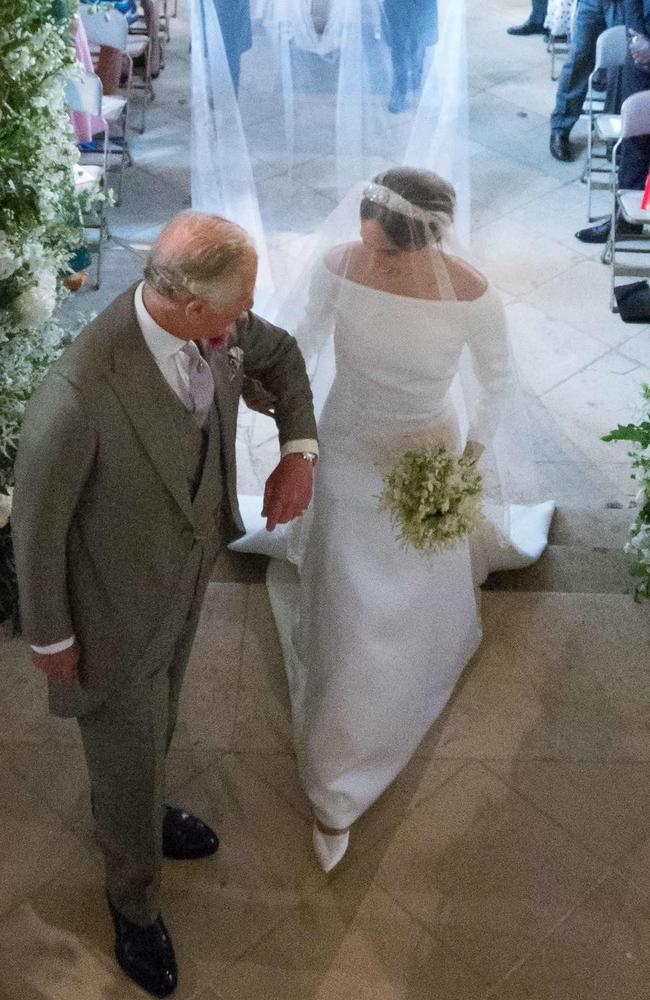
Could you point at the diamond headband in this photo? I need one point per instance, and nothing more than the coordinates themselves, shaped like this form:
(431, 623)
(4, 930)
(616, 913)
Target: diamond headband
(383, 196)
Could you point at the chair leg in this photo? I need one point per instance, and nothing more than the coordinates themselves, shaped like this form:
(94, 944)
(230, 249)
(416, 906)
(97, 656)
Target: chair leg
(98, 272)
(118, 200)
(610, 253)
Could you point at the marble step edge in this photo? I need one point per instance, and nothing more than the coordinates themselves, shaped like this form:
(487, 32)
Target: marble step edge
(606, 527)
(569, 569)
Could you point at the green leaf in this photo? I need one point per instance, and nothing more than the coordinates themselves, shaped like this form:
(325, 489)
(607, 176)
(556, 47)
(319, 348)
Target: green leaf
(629, 432)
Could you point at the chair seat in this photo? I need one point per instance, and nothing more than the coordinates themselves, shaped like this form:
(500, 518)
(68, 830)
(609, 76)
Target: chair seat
(630, 202)
(112, 107)
(608, 127)
(137, 46)
(87, 176)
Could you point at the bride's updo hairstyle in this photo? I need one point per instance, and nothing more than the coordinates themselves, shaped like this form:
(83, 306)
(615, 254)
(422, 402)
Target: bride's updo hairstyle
(425, 190)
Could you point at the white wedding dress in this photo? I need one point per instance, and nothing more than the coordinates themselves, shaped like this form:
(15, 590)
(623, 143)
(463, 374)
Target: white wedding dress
(375, 637)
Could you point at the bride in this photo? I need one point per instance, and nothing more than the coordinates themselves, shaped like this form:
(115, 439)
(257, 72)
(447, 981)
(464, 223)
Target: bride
(375, 637)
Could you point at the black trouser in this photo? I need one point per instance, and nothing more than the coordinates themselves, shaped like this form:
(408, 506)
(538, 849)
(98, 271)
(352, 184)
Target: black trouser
(635, 153)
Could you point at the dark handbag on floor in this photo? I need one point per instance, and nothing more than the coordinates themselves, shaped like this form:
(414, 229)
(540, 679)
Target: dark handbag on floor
(633, 302)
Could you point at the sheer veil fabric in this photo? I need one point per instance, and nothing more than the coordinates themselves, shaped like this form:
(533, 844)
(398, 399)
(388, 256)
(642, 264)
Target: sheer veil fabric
(283, 127)
(406, 344)
(404, 340)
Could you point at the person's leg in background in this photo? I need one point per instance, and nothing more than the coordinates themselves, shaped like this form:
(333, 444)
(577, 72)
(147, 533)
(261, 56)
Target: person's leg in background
(574, 78)
(398, 23)
(535, 23)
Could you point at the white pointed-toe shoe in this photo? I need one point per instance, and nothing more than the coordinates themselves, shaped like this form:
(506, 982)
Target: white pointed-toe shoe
(330, 847)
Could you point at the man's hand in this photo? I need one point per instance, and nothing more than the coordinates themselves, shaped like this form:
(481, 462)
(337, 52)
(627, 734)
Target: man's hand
(288, 490)
(59, 667)
(473, 450)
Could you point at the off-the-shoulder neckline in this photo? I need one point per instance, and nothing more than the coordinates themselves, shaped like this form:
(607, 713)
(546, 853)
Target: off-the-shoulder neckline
(409, 298)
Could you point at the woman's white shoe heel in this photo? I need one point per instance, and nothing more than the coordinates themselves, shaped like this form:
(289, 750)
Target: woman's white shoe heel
(330, 848)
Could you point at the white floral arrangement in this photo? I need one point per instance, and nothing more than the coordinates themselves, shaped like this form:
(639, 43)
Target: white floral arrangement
(5, 507)
(40, 222)
(433, 497)
(638, 543)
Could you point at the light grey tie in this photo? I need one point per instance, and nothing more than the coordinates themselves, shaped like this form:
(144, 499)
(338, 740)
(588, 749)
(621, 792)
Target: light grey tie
(200, 383)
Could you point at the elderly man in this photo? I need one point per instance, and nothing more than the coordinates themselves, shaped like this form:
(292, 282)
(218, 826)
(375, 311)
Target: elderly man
(125, 492)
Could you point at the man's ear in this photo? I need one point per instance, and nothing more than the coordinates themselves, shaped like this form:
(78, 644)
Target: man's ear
(194, 310)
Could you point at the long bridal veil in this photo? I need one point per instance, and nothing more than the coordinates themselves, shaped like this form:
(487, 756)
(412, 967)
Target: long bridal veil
(334, 286)
(297, 101)
(294, 101)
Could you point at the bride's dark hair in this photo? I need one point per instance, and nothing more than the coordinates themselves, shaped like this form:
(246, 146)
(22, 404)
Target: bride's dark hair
(422, 188)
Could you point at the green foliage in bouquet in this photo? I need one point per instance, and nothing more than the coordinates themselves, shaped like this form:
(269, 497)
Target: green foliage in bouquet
(39, 218)
(638, 543)
(433, 497)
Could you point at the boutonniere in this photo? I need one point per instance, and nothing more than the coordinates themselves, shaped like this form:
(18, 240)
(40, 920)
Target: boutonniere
(235, 361)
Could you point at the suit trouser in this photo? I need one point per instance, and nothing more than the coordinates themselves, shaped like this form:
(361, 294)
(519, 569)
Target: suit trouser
(592, 18)
(126, 741)
(538, 11)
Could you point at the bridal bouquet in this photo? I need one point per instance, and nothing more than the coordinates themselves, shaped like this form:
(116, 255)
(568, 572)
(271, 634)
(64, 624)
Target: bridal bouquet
(433, 497)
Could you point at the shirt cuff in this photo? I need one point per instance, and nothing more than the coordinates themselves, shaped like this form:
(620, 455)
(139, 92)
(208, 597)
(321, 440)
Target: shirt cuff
(304, 444)
(56, 647)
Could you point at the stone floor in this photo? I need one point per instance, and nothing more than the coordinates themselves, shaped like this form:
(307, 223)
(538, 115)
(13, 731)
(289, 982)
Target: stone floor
(510, 860)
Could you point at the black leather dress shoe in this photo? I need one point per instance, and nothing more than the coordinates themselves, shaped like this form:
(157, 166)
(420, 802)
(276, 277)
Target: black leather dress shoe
(600, 232)
(527, 28)
(559, 145)
(186, 837)
(145, 954)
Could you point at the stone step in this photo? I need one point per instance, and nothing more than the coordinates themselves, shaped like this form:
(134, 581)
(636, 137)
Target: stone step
(601, 528)
(570, 569)
(558, 677)
(585, 555)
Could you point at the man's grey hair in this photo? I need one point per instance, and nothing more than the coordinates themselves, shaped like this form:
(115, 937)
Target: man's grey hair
(198, 255)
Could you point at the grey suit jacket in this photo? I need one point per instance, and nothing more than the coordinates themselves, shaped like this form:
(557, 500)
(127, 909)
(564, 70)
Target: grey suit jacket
(108, 543)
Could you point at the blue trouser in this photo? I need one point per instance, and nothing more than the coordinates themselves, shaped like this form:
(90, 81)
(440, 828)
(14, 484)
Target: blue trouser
(592, 18)
(635, 153)
(235, 22)
(410, 28)
(538, 12)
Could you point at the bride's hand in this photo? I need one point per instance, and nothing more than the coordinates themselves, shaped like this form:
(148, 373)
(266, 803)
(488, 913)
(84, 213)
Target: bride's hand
(473, 450)
(288, 490)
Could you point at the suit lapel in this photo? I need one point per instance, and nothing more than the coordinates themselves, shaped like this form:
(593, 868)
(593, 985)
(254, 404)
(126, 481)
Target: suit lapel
(151, 405)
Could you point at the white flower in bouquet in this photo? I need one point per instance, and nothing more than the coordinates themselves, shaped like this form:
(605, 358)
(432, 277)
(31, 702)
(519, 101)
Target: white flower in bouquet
(433, 497)
(36, 304)
(10, 259)
(5, 507)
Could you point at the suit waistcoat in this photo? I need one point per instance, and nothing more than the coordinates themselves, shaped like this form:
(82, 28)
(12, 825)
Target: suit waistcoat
(203, 459)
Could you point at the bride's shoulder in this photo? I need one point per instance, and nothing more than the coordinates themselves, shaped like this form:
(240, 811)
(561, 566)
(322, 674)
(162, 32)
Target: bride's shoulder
(337, 260)
(469, 284)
